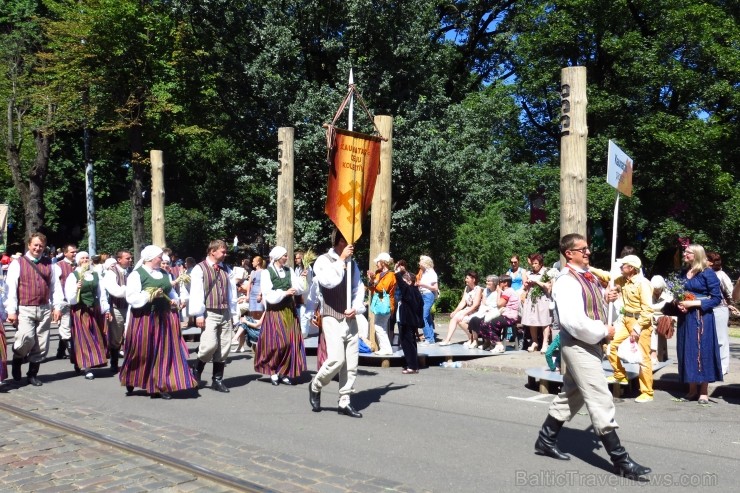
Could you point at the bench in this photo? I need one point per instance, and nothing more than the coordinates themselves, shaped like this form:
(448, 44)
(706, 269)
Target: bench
(545, 377)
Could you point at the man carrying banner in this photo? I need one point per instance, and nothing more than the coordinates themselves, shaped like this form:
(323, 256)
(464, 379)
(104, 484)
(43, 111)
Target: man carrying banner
(338, 323)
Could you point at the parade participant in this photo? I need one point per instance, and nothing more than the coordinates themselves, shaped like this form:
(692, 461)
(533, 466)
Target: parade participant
(213, 304)
(31, 286)
(114, 282)
(62, 269)
(634, 323)
(339, 323)
(156, 356)
(89, 311)
(305, 274)
(581, 314)
(3, 340)
(280, 352)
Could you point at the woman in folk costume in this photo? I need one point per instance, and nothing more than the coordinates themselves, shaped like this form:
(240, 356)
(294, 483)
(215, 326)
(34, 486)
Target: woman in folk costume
(89, 311)
(156, 357)
(280, 352)
(3, 341)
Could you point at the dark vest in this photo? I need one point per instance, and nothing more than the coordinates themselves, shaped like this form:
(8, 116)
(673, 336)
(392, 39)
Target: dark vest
(34, 288)
(335, 299)
(215, 287)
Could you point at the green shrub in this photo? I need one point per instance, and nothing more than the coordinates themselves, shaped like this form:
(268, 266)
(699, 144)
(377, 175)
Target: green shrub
(447, 300)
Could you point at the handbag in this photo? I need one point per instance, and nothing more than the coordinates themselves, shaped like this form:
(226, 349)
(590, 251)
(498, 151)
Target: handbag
(381, 304)
(665, 327)
(629, 352)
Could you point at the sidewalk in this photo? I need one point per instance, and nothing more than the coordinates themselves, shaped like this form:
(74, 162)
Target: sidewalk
(517, 362)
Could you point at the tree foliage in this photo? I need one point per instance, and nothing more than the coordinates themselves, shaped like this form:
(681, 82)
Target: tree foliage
(472, 87)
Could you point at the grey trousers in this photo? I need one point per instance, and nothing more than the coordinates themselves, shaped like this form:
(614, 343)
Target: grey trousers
(215, 341)
(584, 383)
(342, 356)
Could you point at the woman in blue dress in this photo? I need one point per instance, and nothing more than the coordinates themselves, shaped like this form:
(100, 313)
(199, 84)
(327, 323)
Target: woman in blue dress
(697, 348)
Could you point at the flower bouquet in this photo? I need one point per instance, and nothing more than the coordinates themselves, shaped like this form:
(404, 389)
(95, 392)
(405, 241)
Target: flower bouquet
(674, 284)
(309, 257)
(537, 291)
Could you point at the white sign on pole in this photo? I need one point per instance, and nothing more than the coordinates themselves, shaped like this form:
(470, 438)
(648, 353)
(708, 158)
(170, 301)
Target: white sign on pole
(619, 170)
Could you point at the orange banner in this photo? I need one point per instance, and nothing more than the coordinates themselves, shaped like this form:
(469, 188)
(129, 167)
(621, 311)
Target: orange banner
(354, 168)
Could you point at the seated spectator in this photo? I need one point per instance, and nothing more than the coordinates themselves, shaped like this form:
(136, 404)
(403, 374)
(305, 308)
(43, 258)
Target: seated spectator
(248, 331)
(488, 311)
(468, 305)
(508, 303)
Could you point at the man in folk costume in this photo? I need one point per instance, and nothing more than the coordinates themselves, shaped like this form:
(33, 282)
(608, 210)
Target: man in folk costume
(213, 304)
(62, 270)
(115, 272)
(580, 306)
(339, 323)
(31, 287)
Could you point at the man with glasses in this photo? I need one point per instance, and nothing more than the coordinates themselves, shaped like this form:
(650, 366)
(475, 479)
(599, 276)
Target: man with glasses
(580, 305)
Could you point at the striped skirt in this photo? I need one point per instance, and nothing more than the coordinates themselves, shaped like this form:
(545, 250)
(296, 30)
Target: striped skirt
(3, 355)
(156, 355)
(280, 348)
(89, 333)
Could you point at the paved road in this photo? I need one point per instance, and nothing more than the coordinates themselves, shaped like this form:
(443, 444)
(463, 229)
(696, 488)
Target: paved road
(464, 430)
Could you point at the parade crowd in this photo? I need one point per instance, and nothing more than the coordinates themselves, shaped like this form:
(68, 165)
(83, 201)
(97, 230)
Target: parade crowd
(108, 309)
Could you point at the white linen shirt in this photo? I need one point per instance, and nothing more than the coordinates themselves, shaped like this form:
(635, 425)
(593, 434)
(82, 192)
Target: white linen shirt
(568, 296)
(275, 296)
(329, 272)
(135, 296)
(197, 301)
(70, 291)
(11, 280)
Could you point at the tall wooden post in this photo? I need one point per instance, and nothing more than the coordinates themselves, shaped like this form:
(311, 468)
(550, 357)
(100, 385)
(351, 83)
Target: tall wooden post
(573, 140)
(380, 217)
(285, 213)
(157, 198)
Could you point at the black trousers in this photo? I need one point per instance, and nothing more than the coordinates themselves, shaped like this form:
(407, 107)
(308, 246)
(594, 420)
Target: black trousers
(408, 345)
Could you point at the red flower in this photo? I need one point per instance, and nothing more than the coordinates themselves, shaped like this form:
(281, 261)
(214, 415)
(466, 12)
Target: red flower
(589, 277)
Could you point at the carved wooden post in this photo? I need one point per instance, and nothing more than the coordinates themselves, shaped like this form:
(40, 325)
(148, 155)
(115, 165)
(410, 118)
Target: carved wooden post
(157, 199)
(573, 140)
(285, 212)
(380, 216)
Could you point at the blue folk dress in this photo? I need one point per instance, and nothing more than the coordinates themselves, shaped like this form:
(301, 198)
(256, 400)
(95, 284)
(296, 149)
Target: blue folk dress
(696, 346)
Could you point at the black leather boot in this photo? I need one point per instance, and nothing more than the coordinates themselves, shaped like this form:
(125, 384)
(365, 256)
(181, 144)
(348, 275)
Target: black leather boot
(33, 371)
(198, 371)
(623, 464)
(547, 442)
(17, 367)
(114, 361)
(218, 374)
(62, 349)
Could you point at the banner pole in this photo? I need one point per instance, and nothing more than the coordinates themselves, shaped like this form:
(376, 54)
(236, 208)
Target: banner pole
(350, 127)
(615, 224)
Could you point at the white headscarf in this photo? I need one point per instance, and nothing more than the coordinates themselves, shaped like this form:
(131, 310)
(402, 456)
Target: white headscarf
(165, 257)
(150, 253)
(80, 255)
(109, 262)
(277, 252)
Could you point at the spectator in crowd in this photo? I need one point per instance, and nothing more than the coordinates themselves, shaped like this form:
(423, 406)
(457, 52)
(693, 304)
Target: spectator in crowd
(697, 349)
(469, 303)
(410, 317)
(508, 305)
(382, 283)
(722, 312)
(517, 274)
(488, 310)
(536, 305)
(634, 323)
(661, 296)
(428, 285)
